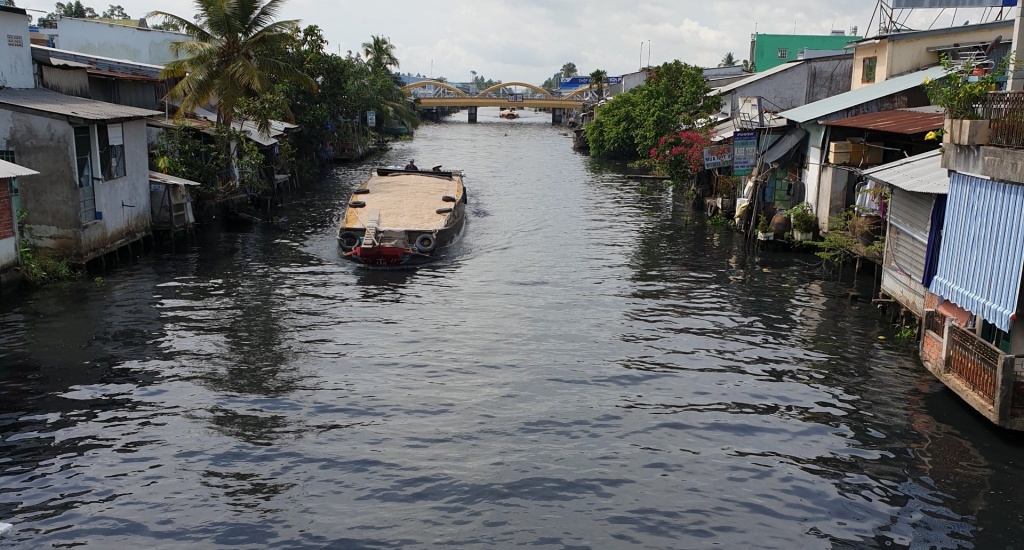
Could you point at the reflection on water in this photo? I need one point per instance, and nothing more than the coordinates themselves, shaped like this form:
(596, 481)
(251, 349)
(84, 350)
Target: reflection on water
(594, 368)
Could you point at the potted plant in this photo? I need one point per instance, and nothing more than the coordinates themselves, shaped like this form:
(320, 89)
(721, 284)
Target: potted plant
(764, 231)
(804, 222)
(960, 92)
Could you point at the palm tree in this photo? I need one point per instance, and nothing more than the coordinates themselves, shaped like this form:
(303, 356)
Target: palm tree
(728, 61)
(748, 67)
(569, 70)
(380, 54)
(597, 80)
(234, 53)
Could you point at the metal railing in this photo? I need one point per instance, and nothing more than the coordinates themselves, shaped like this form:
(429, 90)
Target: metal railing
(1005, 111)
(936, 323)
(974, 362)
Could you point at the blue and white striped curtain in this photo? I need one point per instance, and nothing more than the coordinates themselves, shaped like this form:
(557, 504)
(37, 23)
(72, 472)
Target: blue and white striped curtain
(982, 248)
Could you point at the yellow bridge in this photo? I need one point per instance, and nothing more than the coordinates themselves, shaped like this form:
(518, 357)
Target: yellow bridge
(432, 93)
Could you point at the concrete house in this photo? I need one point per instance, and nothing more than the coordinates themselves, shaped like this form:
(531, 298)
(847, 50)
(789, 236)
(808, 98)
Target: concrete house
(882, 57)
(129, 39)
(974, 334)
(830, 184)
(92, 192)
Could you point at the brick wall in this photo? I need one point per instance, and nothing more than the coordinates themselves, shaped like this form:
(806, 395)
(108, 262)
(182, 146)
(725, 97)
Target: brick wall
(6, 214)
(931, 350)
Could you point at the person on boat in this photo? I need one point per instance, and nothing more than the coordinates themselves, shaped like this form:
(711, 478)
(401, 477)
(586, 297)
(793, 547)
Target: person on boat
(411, 165)
(437, 168)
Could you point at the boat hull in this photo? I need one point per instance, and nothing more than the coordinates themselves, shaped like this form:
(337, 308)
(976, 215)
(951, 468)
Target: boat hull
(399, 257)
(403, 218)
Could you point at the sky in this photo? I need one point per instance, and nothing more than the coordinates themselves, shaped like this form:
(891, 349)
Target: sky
(529, 40)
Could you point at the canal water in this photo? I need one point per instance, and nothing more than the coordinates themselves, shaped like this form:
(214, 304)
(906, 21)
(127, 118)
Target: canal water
(595, 368)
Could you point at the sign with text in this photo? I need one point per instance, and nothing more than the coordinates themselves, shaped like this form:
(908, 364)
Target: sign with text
(717, 156)
(581, 81)
(515, 98)
(744, 152)
(371, 119)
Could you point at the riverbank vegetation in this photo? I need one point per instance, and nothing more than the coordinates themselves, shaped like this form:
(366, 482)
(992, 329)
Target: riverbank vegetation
(635, 124)
(257, 69)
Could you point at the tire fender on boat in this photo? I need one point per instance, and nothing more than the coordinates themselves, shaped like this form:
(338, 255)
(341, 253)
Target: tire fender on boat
(425, 243)
(348, 240)
(357, 204)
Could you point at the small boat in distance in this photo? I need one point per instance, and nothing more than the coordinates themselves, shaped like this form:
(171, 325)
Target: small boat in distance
(403, 218)
(509, 113)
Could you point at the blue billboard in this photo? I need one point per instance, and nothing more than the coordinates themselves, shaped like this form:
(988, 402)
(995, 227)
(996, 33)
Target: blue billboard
(581, 81)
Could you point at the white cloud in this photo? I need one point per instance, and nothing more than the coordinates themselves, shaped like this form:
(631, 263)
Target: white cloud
(529, 40)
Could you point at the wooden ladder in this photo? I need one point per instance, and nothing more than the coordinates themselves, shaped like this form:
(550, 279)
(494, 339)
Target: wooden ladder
(372, 224)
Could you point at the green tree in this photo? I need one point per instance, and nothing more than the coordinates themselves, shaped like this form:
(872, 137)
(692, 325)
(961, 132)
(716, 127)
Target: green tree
(675, 96)
(69, 9)
(597, 81)
(569, 70)
(234, 53)
(380, 54)
(748, 67)
(115, 12)
(728, 61)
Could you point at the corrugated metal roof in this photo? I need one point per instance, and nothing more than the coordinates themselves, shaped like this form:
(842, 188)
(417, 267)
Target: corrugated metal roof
(38, 99)
(11, 170)
(169, 179)
(786, 144)
(897, 121)
(820, 109)
(920, 173)
(982, 248)
(755, 77)
(249, 128)
(96, 64)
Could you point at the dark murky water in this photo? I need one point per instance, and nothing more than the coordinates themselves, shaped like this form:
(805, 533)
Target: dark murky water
(596, 369)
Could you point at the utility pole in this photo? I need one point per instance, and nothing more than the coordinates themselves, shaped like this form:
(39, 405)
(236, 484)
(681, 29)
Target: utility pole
(1017, 75)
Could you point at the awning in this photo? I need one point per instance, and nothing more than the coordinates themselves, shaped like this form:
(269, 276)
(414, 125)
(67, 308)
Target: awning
(11, 170)
(897, 121)
(919, 174)
(784, 146)
(982, 248)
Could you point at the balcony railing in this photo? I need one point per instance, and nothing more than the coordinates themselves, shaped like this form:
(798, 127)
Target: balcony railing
(974, 362)
(1005, 111)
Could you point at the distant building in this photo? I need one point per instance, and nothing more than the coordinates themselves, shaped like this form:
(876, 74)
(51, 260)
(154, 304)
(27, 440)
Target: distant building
(128, 39)
(771, 50)
(882, 57)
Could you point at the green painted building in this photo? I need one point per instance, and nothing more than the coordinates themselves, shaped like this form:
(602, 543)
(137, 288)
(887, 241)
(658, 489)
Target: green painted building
(772, 50)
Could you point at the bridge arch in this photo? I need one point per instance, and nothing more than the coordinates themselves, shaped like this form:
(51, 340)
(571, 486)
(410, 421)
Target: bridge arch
(537, 89)
(579, 92)
(425, 83)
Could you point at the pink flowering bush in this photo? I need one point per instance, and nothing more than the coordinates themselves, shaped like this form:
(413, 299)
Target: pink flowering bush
(680, 155)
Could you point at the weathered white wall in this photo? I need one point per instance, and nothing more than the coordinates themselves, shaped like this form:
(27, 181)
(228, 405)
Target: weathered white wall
(116, 41)
(51, 199)
(15, 62)
(812, 171)
(124, 202)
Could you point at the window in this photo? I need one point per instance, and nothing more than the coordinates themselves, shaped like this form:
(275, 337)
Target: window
(83, 156)
(111, 142)
(867, 74)
(991, 334)
(783, 53)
